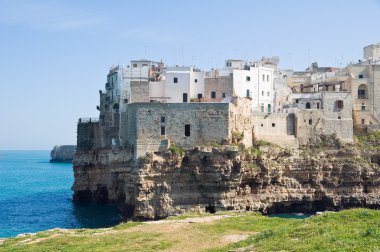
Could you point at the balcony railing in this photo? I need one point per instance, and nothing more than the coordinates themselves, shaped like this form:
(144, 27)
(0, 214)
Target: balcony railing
(88, 120)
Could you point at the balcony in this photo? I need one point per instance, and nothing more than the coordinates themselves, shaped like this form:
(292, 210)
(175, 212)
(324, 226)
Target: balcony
(108, 86)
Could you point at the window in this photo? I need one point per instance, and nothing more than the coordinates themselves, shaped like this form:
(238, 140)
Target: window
(363, 121)
(144, 65)
(297, 100)
(199, 96)
(187, 130)
(310, 122)
(224, 95)
(162, 130)
(268, 93)
(361, 94)
(195, 80)
(248, 78)
(339, 117)
(134, 65)
(339, 104)
(269, 108)
(308, 105)
(361, 76)
(162, 119)
(263, 77)
(262, 93)
(273, 125)
(267, 78)
(262, 125)
(213, 95)
(248, 93)
(363, 108)
(175, 80)
(125, 100)
(262, 107)
(228, 64)
(317, 105)
(184, 97)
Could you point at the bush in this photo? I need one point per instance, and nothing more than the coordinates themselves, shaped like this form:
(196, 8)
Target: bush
(176, 150)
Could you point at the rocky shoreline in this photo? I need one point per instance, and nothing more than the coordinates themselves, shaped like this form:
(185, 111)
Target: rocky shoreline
(263, 178)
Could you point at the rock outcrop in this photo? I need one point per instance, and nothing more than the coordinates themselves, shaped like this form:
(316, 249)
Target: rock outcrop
(63, 153)
(264, 178)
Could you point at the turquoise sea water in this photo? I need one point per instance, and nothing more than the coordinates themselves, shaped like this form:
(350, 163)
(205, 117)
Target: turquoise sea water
(36, 195)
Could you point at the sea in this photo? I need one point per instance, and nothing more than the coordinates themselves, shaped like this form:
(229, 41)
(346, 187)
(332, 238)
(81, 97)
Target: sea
(35, 195)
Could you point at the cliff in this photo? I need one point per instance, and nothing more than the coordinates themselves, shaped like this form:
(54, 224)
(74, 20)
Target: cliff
(62, 153)
(265, 177)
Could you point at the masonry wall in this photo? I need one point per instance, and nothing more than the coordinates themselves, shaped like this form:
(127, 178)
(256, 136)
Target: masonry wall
(208, 123)
(88, 137)
(220, 85)
(375, 74)
(240, 121)
(140, 91)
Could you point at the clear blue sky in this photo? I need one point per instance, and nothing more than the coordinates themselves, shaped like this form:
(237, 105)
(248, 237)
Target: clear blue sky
(54, 55)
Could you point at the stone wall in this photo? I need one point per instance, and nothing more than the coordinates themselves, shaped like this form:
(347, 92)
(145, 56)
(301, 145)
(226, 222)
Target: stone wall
(88, 136)
(240, 128)
(220, 85)
(208, 123)
(140, 91)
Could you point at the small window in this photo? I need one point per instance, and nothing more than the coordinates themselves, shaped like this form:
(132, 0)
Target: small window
(196, 80)
(125, 100)
(273, 125)
(268, 93)
(310, 122)
(362, 108)
(262, 93)
(339, 117)
(267, 78)
(363, 121)
(213, 95)
(339, 104)
(248, 93)
(144, 65)
(297, 100)
(361, 76)
(184, 97)
(162, 119)
(262, 125)
(175, 80)
(224, 95)
(263, 77)
(134, 65)
(317, 105)
(308, 106)
(248, 78)
(162, 130)
(262, 107)
(199, 96)
(187, 130)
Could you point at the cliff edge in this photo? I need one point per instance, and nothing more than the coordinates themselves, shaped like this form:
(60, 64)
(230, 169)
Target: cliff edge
(63, 153)
(265, 177)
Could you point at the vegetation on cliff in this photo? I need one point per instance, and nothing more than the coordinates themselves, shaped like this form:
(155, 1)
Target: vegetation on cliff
(348, 230)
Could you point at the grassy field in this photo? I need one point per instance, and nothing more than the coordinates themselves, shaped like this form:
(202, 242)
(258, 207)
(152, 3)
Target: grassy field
(349, 230)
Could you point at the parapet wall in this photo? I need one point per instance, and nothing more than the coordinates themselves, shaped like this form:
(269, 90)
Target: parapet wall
(88, 136)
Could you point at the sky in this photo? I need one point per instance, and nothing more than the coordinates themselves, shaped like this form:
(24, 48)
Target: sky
(55, 55)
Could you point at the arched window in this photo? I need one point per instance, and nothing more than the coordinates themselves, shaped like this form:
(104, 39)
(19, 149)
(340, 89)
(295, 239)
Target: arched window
(307, 105)
(363, 91)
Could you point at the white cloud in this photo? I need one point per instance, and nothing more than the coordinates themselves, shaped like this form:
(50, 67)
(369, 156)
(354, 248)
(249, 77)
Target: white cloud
(46, 15)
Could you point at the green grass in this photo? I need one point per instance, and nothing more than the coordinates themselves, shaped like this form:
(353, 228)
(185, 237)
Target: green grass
(349, 230)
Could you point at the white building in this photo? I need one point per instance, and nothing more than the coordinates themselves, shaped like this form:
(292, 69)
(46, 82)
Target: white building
(252, 81)
(183, 84)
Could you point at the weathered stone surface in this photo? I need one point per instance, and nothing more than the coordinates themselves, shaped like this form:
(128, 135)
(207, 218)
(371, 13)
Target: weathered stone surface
(268, 179)
(62, 153)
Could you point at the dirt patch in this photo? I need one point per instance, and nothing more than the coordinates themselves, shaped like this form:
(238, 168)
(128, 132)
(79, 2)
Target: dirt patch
(206, 219)
(235, 238)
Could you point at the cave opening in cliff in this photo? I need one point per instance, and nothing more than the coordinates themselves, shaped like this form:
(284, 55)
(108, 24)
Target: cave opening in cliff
(210, 209)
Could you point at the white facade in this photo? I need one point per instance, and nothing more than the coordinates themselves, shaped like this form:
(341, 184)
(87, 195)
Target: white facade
(182, 84)
(252, 81)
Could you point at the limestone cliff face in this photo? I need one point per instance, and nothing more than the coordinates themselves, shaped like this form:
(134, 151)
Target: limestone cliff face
(265, 178)
(62, 153)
